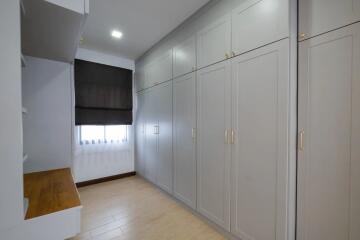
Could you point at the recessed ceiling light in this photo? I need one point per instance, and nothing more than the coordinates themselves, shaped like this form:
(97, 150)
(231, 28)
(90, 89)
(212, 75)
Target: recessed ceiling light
(116, 34)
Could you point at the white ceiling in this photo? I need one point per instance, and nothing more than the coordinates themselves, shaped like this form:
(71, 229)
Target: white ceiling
(143, 23)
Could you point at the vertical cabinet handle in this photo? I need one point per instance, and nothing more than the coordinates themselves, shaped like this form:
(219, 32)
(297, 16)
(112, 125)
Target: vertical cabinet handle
(232, 136)
(156, 130)
(193, 133)
(226, 136)
(301, 140)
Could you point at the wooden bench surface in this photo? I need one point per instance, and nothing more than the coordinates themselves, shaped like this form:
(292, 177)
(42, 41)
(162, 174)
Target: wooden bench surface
(49, 192)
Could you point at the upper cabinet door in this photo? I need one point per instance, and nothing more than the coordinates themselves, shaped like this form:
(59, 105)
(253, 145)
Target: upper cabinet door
(163, 68)
(260, 161)
(140, 79)
(214, 42)
(184, 95)
(185, 57)
(256, 23)
(320, 16)
(163, 105)
(213, 152)
(329, 138)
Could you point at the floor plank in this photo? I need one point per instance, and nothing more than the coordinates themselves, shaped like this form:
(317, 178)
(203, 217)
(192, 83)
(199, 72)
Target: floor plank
(133, 209)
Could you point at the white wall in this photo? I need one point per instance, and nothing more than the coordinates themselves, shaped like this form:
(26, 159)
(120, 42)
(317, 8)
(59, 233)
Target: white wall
(95, 56)
(48, 123)
(11, 181)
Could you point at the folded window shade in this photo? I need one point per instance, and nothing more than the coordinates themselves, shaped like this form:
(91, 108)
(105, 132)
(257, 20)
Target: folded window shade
(103, 94)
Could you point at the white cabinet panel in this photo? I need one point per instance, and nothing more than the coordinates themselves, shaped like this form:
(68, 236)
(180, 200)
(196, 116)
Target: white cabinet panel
(320, 16)
(329, 156)
(260, 83)
(184, 95)
(164, 156)
(160, 70)
(140, 136)
(151, 139)
(185, 57)
(214, 42)
(256, 23)
(213, 152)
(140, 79)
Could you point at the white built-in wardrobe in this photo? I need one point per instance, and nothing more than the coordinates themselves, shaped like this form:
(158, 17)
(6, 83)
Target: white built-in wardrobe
(329, 120)
(214, 118)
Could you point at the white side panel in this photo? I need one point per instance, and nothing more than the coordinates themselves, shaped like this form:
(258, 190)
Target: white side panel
(11, 146)
(256, 23)
(320, 16)
(185, 57)
(48, 226)
(213, 153)
(260, 155)
(329, 114)
(184, 129)
(214, 42)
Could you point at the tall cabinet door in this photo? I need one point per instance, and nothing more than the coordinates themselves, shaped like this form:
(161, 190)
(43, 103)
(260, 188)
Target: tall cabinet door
(151, 139)
(320, 16)
(140, 135)
(184, 129)
(214, 42)
(164, 132)
(213, 152)
(260, 125)
(329, 139)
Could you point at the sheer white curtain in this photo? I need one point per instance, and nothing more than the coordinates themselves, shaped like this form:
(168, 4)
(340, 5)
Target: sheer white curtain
(102, 151)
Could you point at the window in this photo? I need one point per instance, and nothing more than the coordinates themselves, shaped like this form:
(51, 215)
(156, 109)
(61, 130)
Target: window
(103, 134)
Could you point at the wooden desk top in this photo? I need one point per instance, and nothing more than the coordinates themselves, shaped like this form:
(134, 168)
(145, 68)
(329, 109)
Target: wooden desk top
(49, 192)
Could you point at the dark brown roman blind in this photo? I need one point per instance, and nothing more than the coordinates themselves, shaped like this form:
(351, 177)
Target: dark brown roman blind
(103, 94)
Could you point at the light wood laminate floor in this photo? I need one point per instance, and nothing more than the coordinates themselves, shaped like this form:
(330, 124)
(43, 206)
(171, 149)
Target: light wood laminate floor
(133, 209)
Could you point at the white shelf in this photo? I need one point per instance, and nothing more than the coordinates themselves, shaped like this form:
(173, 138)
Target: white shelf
(24, 110)
(25, 157)
(23, 61)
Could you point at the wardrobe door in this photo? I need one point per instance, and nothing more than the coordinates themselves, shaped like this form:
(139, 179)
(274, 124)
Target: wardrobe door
(260, 83)
(140, 135)
(329, 138)
(256, 23)
(213, 152)
(214, 42)
(184, 128)
(151, 135)
(320, 16)
(185, 57)
(164, 133)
